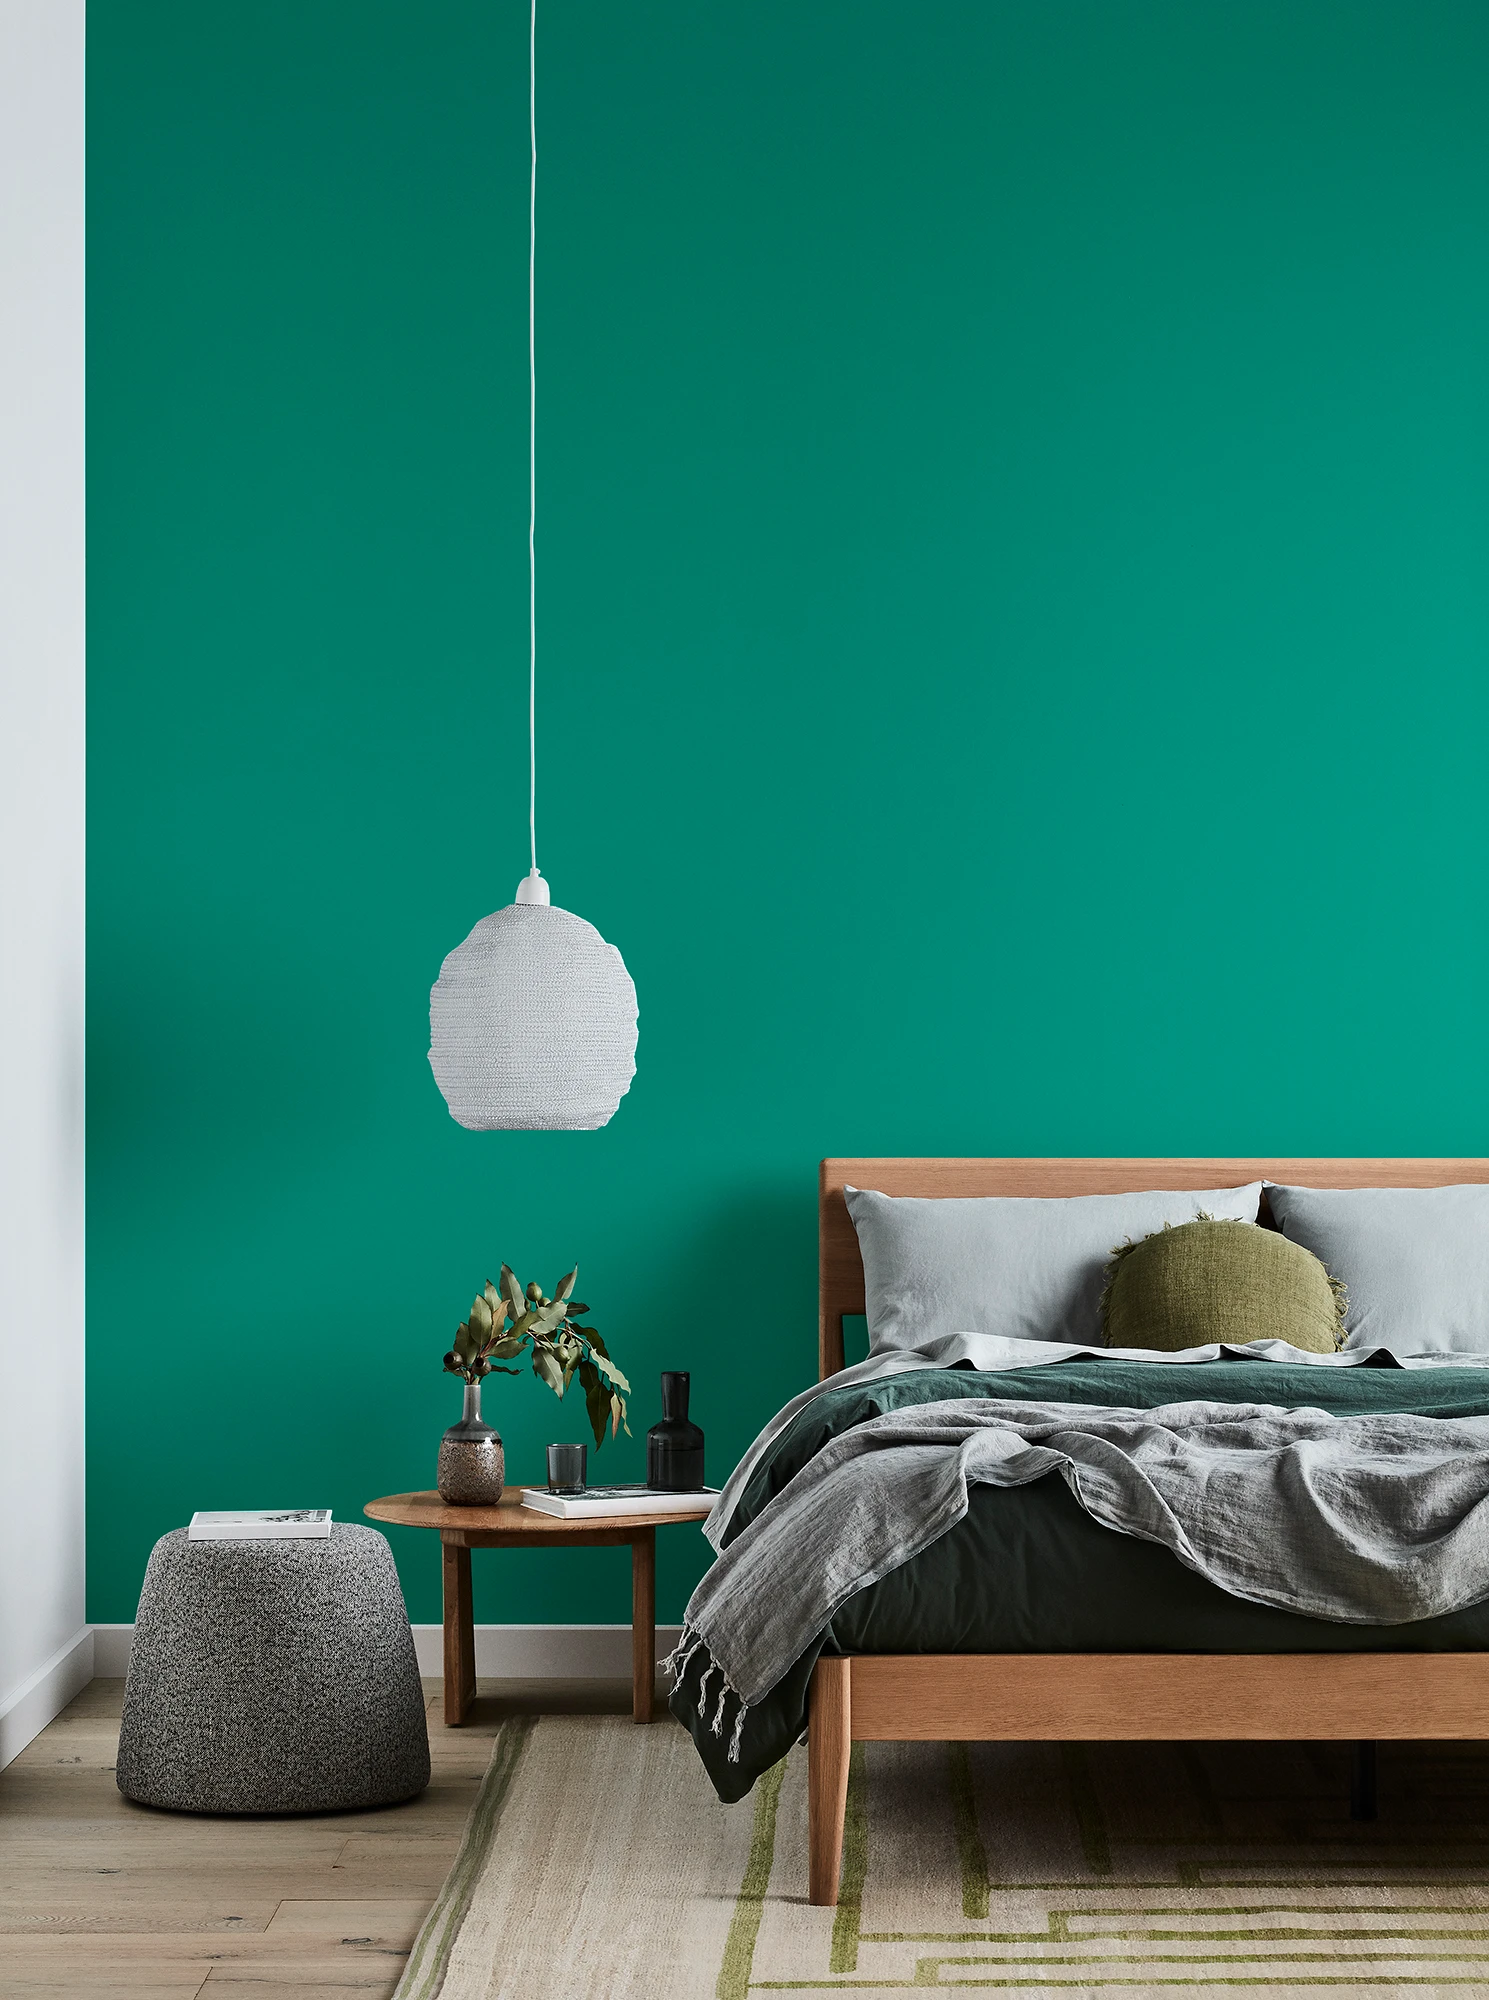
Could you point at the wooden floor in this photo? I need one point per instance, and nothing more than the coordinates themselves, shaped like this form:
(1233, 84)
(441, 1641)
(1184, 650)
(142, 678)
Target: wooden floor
(102, 1898)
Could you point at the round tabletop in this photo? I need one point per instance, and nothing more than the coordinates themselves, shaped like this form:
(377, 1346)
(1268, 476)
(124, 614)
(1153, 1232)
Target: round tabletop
(510, 1517)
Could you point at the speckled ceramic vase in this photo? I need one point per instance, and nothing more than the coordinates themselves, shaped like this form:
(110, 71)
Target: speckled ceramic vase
(472, 1464)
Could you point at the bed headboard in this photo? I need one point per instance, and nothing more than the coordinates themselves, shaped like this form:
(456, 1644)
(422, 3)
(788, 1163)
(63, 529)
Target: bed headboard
(840, 1268)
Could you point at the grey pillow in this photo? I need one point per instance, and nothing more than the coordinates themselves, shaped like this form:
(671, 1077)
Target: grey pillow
(1025, 1266)
(1415, 1261)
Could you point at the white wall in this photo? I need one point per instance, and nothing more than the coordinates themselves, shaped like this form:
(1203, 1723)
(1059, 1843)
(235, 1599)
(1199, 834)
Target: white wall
(45, 1648)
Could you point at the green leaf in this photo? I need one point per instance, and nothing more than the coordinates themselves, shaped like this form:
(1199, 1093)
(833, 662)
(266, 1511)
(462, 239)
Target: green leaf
(512, 1290)
(505, 1349)
(547, 1369)
(597, 1403)
(611, 1373)
(494, 1369)
(480, 1319)
(566, 1287)
(595, 1342)
(496, 1302)
(577, 1312)
(465, 1344)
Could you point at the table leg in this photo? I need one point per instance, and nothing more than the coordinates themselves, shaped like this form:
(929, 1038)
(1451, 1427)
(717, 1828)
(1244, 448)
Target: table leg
(643, 1623)
(460, 1636)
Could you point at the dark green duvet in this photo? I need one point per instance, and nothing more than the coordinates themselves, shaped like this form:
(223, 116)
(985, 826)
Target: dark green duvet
(1029, 1571)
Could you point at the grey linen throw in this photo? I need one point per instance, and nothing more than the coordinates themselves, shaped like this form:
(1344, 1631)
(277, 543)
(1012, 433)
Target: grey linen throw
(1367, 1520)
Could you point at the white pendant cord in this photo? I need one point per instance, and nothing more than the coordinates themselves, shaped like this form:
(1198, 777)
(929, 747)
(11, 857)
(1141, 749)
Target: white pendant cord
(532, 443)
(532, 888)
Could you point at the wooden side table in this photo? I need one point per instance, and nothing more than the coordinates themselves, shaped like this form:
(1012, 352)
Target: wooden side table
(510, 1525)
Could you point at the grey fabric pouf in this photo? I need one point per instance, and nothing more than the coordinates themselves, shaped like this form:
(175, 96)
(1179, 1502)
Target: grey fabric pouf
(273, 1677)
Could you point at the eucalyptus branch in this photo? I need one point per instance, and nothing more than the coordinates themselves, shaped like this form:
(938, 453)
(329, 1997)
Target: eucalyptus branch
(508, 1318)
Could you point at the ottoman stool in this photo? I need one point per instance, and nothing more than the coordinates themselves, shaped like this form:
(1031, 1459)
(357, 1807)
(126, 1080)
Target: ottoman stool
(272, 1677)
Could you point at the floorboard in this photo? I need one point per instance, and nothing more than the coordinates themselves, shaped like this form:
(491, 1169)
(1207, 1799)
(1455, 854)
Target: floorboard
(101, 1899)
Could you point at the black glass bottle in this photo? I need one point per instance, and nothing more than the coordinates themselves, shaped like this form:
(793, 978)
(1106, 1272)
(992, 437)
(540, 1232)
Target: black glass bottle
(674, 1447)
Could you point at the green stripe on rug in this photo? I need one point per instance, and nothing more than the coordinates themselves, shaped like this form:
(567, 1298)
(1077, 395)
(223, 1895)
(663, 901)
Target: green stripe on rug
(925, 1977)
(744, 1928)
(970, 1851)
(424, 1973)
(849, 1913)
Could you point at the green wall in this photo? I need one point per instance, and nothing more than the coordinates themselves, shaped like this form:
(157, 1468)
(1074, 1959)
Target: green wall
(1014, 639)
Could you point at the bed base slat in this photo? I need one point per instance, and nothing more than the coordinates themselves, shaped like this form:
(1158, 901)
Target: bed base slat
(1167, 1697)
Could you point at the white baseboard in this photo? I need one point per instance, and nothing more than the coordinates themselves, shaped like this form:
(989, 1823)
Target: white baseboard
(513, 1652)
(45, 1694)
(546, 1652)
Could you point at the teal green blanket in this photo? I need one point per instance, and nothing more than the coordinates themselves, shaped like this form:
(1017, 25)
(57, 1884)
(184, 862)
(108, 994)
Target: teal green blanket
(1029, 1571)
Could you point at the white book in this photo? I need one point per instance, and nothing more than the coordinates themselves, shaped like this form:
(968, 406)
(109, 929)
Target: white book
(597, 1501)
(262, 1524)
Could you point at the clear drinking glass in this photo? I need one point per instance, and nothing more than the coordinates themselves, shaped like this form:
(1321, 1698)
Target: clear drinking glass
(566, 1463)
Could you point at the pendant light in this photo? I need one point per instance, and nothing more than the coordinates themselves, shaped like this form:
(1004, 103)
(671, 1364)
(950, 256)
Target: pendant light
(532, 1021)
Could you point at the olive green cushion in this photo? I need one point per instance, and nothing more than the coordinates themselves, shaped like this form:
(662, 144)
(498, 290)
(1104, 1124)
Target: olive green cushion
(1210, 1281)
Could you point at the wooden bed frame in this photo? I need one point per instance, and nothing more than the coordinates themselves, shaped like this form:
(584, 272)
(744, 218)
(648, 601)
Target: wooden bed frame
(1066, 1697)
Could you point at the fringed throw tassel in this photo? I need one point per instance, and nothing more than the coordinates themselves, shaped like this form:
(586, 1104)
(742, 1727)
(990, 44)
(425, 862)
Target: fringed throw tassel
(690, 1643)
(718, 1715)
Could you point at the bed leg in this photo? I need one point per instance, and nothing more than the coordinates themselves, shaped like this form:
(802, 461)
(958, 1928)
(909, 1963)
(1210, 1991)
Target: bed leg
(829, 1742)
(1362, 1782)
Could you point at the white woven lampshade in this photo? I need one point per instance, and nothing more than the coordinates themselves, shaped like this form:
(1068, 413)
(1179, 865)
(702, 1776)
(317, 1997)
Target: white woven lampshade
(532, 1024)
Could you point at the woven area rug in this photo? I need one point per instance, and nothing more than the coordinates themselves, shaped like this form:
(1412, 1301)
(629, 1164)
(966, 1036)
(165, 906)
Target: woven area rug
(598, 1863)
